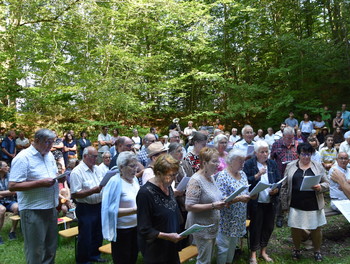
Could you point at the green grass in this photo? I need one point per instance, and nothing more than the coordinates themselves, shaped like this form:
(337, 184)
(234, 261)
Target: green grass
(335, 247)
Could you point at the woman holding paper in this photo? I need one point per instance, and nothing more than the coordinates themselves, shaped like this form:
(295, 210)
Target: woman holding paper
(119, 221)
(233, 218)
(262, 210)
(203, 202)
(158, 214)
(305, 207)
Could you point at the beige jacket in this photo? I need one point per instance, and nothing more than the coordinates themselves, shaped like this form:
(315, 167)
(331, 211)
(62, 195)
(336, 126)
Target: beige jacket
(286, 189)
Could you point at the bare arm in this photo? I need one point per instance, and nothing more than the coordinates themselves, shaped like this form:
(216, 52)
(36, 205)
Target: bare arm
(29, 185)
(339, 178)
(205, 207)
(126, 211)
(87, 192)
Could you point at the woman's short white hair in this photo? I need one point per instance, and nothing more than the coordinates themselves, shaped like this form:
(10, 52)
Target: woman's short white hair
(124, 158)
(218, 138)
(260, 144)
(234, 154)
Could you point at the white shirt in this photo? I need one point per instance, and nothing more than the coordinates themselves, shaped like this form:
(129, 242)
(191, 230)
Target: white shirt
(189, 130)
(30, 165)
(243, 145)
(103, 169)
(264, 196)
(233, 139)
(270, 139)
(128, 200)
(82, 178)
(102, 137)
(334, 191)
(278, 135)
(21, 142)
(345, 147)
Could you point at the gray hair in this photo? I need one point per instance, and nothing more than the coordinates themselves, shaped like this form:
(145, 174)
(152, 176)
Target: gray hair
(245, 128)
(106, 153)
(173, 133)
(260, 144)
(218, 138)
(86, 150)
(124, 158)
(234, 154)
(343, 152)
(173, 146)
(44, 134)
(288, 131)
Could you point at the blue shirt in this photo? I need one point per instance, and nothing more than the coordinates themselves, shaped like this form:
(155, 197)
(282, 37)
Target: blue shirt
(346, 116)
(9, 145)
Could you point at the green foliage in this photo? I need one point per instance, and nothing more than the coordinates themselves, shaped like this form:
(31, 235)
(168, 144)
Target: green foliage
(139, 61)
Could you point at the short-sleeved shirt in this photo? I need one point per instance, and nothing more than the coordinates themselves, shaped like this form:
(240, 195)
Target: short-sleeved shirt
(4, 183)
(30, 165)
(282, 154)
(202, 191)
(334, 188)
(102, 137)
(9, 145)
(82, 178)
(328, 155)
(291, 122)
(193, 160)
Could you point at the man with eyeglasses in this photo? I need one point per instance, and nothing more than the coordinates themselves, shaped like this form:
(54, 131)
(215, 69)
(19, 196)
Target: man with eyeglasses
(106, 160)
(246, 143)
(174, 136)
(142, 156)
(86, 190)
(32, 176)
(283, 151)
(340, 176)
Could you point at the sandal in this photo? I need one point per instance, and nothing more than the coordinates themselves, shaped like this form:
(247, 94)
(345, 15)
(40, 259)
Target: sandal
(318, 257)
(266, 258)
(296, 255)
(253, 261)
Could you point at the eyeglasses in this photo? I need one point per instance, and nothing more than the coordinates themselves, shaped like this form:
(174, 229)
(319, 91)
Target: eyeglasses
(306, 155)
(343, 159)
(92, 156)
(107, 157)
(129, 145)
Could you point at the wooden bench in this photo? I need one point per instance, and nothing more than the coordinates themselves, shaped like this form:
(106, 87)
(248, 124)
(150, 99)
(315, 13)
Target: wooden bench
(15, 217)
(70, 232)
(330, 212)
(188, 253)
(61, 220)
(184, 255)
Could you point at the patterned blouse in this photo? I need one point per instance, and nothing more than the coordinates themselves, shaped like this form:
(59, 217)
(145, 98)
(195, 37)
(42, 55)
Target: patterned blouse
(193, 160)
(232, 221)
(202, 191)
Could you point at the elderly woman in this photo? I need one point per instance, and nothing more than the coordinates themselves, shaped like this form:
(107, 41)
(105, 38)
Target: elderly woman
(119, 220)
(233, 218)
(154, 150)
(158, 214)
(262, 210)
(305, 207)
(220, 143)
(198, 142)
(203, 202)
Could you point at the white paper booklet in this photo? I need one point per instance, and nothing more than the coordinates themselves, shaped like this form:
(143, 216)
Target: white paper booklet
(309, 181)
(183, 184)
(275, 185)
(259, 187)
(195, 228)
(235, 193)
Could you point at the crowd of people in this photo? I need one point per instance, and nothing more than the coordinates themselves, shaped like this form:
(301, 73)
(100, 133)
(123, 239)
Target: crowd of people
(140, 193)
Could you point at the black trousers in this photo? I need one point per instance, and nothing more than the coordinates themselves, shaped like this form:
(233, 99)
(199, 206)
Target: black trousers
(125, 249)
(90, 232)
(262, 219)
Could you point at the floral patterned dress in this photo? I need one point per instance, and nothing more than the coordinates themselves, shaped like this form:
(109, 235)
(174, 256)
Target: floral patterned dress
(232, 219)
